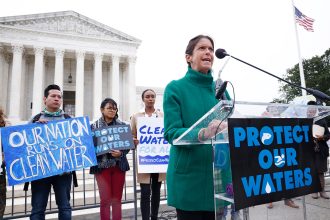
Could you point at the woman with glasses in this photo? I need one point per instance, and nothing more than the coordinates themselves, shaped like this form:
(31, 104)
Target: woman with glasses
(150, 183)
(111, 167)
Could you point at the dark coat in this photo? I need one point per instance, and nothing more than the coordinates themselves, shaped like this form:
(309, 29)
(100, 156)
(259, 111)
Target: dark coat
(322, 154)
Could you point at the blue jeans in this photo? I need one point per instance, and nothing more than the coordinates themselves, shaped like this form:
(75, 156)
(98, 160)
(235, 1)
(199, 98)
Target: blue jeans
(40, 192)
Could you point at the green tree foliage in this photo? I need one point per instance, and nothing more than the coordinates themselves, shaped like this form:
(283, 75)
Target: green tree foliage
(317, 76)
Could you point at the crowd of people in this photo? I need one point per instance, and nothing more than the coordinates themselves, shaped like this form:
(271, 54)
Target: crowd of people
(190, 169)
(109, 171)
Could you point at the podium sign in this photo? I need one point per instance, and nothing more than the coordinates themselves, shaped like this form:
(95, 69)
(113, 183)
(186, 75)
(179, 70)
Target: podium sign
(283, 159)
(271, 159)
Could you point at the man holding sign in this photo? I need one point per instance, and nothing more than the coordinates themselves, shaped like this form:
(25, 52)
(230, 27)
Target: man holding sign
(46, 153)
(61, 183)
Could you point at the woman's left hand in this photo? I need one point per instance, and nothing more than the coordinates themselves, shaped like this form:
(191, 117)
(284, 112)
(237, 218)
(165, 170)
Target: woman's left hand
(115, 153)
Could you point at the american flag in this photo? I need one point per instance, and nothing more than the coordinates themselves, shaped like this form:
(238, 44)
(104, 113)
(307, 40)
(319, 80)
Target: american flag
(303, 20)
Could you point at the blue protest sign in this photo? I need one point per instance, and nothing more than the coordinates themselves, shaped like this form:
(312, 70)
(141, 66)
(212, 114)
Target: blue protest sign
(35, 151)
(117, 137)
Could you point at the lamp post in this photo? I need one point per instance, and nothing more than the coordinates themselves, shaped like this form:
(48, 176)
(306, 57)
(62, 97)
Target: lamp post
(70, 76)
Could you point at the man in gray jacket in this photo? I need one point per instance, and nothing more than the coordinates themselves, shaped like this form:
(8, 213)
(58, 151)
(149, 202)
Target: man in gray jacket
(61, 183)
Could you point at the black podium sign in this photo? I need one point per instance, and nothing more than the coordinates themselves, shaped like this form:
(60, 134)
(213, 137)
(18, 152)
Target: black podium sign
(271, 159)
(116, 137)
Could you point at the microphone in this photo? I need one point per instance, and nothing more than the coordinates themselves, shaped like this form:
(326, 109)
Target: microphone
(221, 53)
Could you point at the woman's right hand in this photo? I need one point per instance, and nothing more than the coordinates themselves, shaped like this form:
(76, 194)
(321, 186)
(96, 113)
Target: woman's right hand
(214, 127)
(116, 153)
(136, 141)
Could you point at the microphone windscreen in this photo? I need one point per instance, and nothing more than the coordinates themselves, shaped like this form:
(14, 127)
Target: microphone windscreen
(220, 53)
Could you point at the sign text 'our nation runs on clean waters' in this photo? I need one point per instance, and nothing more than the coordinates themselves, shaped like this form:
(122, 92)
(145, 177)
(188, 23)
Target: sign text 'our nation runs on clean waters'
(35, 151)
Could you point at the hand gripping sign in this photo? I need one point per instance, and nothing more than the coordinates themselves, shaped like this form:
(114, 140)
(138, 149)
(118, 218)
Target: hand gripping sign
(117, 137)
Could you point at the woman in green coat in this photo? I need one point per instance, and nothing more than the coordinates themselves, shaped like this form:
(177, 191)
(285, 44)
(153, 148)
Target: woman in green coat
(189, 174)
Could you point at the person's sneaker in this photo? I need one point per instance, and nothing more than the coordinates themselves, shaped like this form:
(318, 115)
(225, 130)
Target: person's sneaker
(324, 195)
(236, 216)
(315, 195)
(291, 204)
(270, 205)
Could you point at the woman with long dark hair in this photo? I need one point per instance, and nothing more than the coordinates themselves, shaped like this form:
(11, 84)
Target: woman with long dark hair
(190, 172)
(150, 183)
(111, 167)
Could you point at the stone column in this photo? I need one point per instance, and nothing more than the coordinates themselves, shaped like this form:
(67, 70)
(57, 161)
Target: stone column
(15, 84)
(3, 98)
(38, 79)
(97, 94)
(80, 83)
(58, 78)
(5, 80)
(131, 87)
(115, 79)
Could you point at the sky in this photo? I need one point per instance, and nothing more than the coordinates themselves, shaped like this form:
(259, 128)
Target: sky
(257, 31)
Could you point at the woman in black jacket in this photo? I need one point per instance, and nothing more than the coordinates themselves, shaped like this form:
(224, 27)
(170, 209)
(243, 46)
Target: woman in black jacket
(111, 167)
(321, 149)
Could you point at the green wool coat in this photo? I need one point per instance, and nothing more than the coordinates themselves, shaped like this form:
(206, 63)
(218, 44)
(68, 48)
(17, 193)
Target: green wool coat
(189, 173)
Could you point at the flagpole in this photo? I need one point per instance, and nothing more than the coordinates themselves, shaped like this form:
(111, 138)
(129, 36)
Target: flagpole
(303, 84)
(301, 68)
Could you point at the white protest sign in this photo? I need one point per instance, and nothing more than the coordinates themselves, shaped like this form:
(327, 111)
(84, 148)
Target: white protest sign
(153, 150)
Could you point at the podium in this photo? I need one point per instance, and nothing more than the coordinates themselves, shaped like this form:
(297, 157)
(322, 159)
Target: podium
(222, 175)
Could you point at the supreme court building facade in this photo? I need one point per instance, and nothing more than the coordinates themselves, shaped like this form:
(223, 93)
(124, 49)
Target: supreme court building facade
(87, 59)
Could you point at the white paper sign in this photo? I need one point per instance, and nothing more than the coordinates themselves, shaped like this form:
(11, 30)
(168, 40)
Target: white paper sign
(153, 150)
(318, 130)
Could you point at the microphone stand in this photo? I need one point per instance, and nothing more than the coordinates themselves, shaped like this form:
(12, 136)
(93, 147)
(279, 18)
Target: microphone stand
(316, 93)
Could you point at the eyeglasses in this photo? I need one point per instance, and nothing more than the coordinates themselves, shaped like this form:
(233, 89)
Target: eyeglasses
(112, 109)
